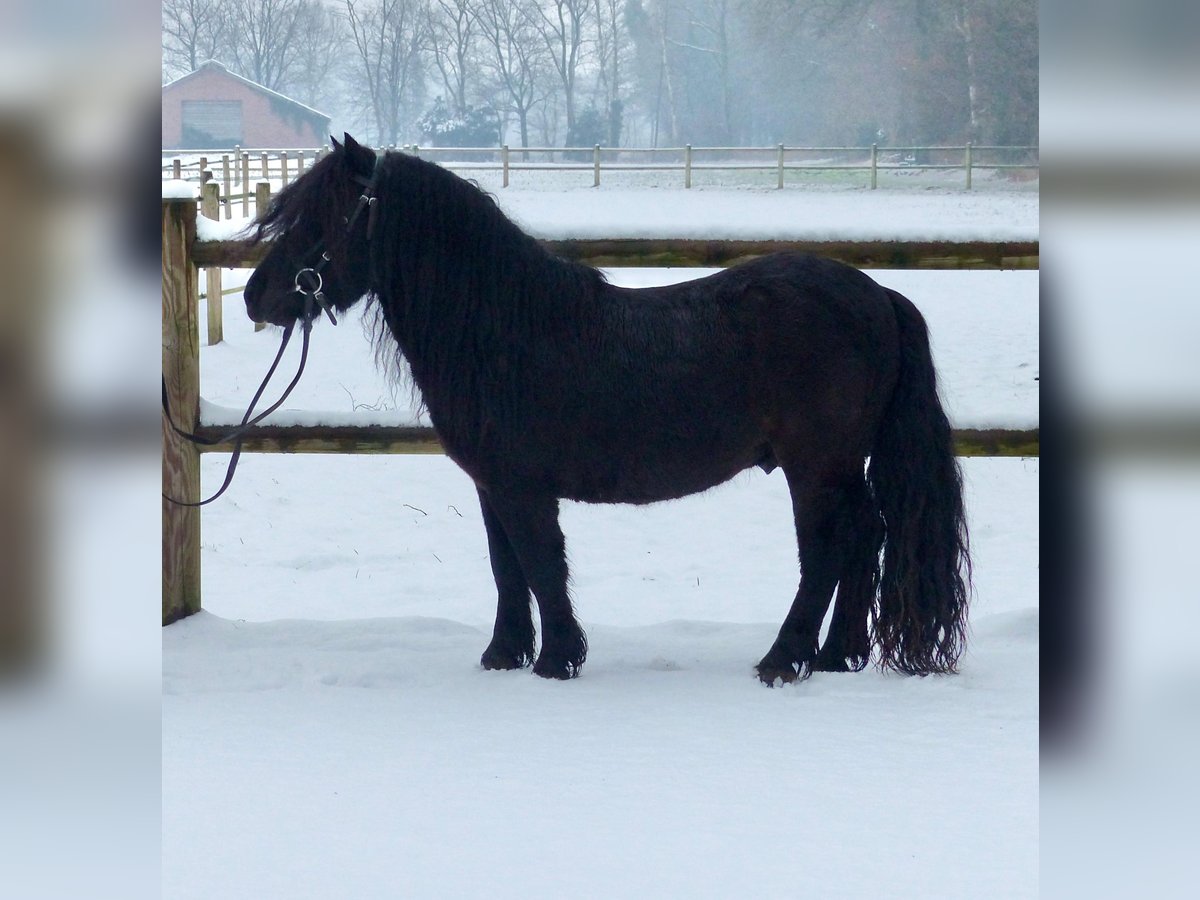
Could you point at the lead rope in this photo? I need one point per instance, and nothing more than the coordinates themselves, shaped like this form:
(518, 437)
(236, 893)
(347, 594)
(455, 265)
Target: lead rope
(238, 434)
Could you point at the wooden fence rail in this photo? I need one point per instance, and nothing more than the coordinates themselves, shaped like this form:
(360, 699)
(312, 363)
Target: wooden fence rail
(183, 257)
(687, 253)
(233, 166)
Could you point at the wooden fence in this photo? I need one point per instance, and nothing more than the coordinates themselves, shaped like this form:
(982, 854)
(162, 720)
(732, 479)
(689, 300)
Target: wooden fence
(183, 256)
(236, 168)
(230, 175)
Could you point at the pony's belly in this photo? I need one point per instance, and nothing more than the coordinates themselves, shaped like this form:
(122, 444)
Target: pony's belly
(641, 484)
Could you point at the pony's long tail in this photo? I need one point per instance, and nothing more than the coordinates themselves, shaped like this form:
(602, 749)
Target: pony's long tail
(920, 622)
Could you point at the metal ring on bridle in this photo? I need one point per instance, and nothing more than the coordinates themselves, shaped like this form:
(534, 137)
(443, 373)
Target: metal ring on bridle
(316, 289)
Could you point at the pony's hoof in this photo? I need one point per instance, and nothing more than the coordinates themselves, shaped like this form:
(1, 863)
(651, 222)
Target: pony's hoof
(559, 669)
(846, 653)
(563, 654)
(772, 671)
(772, 675)
(785, 663)
(497, 658)
(829, 663)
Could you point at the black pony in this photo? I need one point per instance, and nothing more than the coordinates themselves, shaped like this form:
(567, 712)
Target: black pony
(544, 382)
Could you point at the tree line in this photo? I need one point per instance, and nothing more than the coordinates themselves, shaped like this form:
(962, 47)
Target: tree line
(633, 72)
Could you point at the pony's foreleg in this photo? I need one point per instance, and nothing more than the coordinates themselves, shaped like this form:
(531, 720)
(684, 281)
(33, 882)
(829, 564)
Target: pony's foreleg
(818, 507)
(513, 637)
(847, 646)
(531, 526)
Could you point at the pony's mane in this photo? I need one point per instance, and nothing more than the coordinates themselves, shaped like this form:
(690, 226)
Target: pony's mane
(305, 198)
(449, 228)
(445, 253)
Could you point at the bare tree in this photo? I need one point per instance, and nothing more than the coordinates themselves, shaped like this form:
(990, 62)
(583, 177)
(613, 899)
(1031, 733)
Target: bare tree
(389, 37)
(262, 39)
(452, 38)
(562, 25)
(650, 23)
(1000, 46)
(321, 43)
(193, 31)
(710, 23)
(610, 52)
(513, 55)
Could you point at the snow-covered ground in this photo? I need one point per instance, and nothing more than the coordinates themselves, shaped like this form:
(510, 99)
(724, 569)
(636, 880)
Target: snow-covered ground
(726, 213)
(327, 731)
(775, 215)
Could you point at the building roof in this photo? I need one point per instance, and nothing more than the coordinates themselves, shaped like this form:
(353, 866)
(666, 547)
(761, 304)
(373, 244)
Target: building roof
(213, 66)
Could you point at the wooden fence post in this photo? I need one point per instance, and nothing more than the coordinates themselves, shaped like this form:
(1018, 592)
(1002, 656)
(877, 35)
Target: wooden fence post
(210, 206)
(177, 168)
(780, 183)
(283, 159)
(30, 628)
(687, 166)
(596, 166)
(967, 163)
(504, 163)
(245, 176)
(266, 166)
(874, 166)
(181, 378)
(227, 185)
(262, 199)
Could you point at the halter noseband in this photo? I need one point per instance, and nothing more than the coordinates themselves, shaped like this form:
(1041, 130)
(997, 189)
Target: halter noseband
(315, 301)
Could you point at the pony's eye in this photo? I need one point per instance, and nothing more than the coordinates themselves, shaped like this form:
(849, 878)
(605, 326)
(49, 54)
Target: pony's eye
(345, 220)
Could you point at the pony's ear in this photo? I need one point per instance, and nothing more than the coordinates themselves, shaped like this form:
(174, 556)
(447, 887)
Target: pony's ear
(336, 145)
(362, 159)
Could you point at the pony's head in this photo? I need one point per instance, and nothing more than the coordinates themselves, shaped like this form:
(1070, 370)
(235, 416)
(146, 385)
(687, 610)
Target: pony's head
(318, 232)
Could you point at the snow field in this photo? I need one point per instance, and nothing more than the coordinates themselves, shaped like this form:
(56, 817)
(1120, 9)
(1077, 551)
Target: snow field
(327, 729)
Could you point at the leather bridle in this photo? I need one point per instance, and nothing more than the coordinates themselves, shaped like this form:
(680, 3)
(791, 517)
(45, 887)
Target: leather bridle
(308, 281)
(312, 274)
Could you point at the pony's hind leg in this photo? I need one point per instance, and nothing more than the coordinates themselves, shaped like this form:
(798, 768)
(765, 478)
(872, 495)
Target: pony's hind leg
(847, 646)
(819, 507)
(531, 526)
(513, 637)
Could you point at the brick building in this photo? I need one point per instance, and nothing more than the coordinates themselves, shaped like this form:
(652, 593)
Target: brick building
(212, 108)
